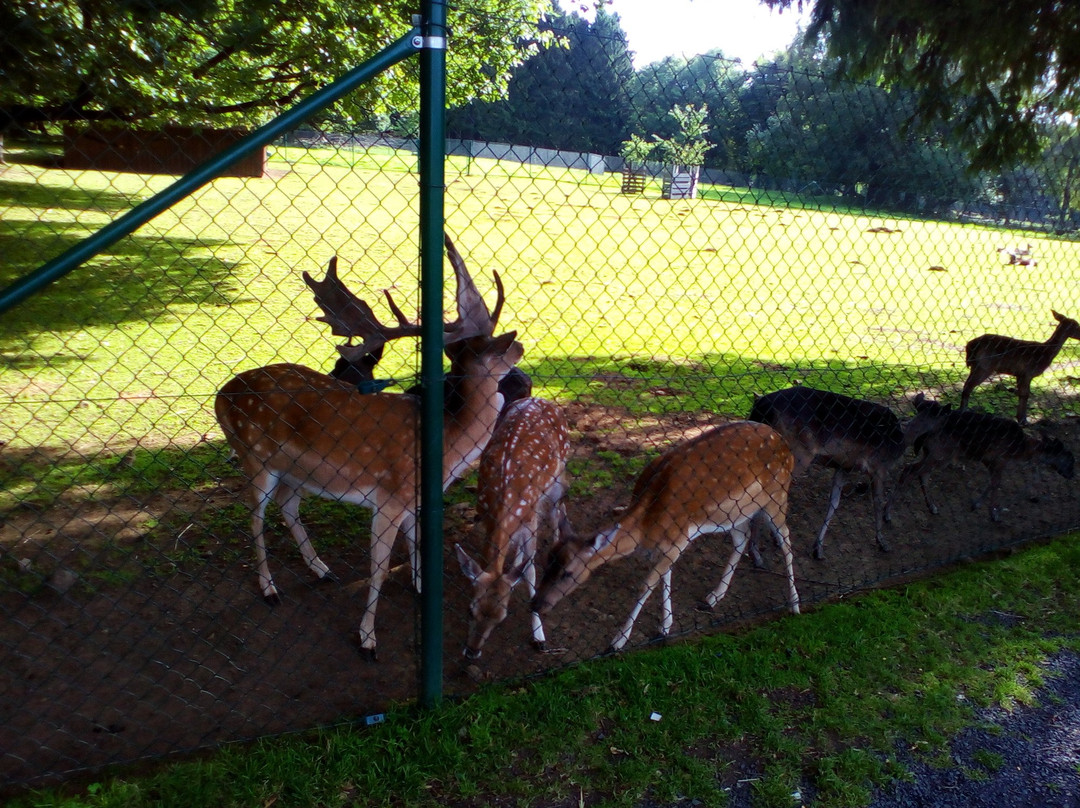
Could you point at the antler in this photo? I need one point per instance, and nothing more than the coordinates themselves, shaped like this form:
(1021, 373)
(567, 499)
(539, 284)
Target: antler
(474, 319)
(348, 316)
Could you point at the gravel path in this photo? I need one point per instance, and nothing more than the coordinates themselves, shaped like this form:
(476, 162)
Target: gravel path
(1039, 748)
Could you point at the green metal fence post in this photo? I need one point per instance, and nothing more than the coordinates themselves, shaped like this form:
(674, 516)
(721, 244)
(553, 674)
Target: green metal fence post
(432, 186)
(197, 177)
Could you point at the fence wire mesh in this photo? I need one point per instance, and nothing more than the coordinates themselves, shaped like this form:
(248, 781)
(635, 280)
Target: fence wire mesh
(676, 241)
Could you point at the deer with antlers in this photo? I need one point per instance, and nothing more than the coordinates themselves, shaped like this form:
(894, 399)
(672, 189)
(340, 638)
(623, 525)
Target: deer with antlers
(718, 482)
(522, 482)
(298, 431)
(1024, 359)
(356, 365)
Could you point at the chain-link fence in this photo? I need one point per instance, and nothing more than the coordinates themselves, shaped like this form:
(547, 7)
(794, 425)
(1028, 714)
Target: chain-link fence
(673, 242)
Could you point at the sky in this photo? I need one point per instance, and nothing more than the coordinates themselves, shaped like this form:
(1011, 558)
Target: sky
(742, 29)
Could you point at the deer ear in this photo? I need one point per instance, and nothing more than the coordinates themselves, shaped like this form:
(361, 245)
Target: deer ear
(602, 540)
(503, 342)
(517, 571)
(468, 566)
(1058, 317)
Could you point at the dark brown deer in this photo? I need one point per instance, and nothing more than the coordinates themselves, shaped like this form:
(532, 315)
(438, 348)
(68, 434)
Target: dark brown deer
(1024, 359)
(842, 433)
(944, 436)
(298, 431)
(522, 483)
(719, 482)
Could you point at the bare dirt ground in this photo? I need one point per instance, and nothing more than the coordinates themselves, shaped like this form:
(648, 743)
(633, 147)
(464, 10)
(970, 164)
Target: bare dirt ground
(190, 657)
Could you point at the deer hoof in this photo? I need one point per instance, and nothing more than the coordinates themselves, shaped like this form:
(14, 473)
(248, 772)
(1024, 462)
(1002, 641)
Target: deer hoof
(703, 606)
(273, 599)
(366, 654)
(819, 552)
(470, 653)
(329, 578)
(539, 646)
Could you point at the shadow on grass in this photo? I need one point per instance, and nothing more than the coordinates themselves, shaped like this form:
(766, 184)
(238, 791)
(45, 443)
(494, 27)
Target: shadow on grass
(726, 384)
(44, 197)
(140, 278)
(646, 404)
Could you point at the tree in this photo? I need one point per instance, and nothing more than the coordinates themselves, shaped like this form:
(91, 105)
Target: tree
(847, 137)
(231, 62)
(569, 95)
(707, 80)
(995, 69)
(687, 147)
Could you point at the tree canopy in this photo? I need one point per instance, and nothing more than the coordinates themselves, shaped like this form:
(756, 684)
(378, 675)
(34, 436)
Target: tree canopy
(230, 61)
(571, 94)
(998, 70)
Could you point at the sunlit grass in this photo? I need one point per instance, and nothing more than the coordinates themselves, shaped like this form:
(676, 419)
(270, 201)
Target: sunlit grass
(709, 301)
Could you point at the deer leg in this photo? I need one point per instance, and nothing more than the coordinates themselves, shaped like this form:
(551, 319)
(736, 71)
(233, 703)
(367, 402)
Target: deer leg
(263, 486)
(409, 528)
(383, 531)
(740, 538)
(539, 639)
(834, 503)
(877, 495)
(974, 379)
(991, 493)
(288, 498)
(1023, 392)
(779, 527)
(754, 548)
(667, 614)
(662, 569)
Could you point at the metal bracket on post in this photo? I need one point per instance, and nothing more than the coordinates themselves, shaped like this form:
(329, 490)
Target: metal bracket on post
(426, 42)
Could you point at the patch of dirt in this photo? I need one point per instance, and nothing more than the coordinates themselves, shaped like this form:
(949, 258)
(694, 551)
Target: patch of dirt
(186, 655)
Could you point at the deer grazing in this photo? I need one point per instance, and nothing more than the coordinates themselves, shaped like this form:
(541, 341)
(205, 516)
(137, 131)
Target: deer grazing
(1024, 359)
(298, 431)
(842, 433)
(522, 482)
(1024, 256)
(718, 482)
(944, 436)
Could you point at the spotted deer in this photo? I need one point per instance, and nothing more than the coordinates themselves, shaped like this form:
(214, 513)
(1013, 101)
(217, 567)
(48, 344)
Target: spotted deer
(718, 482)
(842, 433)
(296, 431)
(522, 482)
(943, 435)
(1025, 359)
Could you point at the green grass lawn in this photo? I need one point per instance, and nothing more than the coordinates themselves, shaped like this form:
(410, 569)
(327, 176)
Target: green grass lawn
(718, 299)
(632, 302)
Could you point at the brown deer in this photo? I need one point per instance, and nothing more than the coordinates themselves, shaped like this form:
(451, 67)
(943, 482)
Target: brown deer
(298, 431)
(944, 436)
(522, 481)
(1024, 359)
(843, 433)
(717, 482)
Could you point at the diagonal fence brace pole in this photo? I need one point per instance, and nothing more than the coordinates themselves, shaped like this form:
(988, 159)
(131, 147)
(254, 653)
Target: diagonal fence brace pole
(126, 224)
